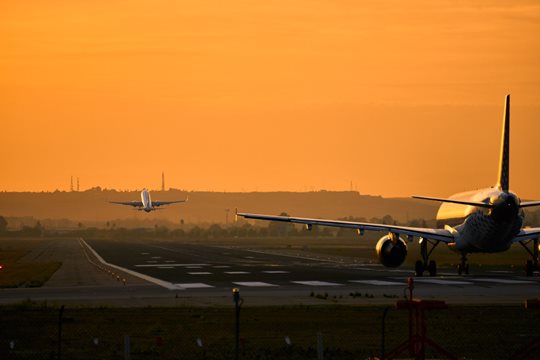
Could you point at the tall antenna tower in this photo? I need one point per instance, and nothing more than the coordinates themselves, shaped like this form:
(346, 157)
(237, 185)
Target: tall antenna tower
(71, 186)
(162, 181)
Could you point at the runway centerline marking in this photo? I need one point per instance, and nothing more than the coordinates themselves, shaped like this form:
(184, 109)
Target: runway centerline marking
(275, 272)
(200, 273)
(253, 283)
(237, 272)
(316, 283)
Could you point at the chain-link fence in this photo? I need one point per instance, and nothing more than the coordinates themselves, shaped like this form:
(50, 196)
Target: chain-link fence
(289, 332)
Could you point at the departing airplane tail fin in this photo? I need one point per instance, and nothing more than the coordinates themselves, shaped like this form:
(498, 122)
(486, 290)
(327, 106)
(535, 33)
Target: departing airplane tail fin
(504, 164)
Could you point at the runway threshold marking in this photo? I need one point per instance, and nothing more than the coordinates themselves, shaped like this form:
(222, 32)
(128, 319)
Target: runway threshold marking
(443, 282)
(170, 264)
(316, 283)
(194, 285)
(378, 282)
(504, 281)
(253, 284)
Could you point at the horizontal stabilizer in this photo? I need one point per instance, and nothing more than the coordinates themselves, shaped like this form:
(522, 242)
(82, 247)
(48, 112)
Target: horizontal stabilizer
(469, 203)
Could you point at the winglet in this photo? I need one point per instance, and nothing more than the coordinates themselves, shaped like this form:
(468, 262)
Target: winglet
(504, 164)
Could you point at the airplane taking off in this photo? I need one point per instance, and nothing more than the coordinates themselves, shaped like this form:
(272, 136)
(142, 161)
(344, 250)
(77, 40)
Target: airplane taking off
(482, 221)
(146, 203)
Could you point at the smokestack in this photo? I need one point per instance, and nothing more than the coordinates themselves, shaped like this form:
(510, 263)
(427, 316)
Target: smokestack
(77, 183)
(71, 186)
(163, 181)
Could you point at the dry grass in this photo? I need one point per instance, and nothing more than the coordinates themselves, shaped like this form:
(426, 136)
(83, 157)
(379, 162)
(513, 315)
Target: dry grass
(23, 274)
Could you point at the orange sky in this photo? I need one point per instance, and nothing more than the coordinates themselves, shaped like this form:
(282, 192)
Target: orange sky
(399, 97)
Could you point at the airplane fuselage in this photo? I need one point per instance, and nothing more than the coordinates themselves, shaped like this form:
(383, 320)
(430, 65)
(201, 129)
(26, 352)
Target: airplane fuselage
(146, 200)
(478, 229)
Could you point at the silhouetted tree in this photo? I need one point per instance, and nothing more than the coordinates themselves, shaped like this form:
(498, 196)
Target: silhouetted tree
(278, 228)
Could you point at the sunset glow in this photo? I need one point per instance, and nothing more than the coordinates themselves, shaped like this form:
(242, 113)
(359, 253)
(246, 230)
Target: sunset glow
(397, 97)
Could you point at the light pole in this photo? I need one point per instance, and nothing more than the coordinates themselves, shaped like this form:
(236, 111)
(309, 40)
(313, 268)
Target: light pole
(238, 301)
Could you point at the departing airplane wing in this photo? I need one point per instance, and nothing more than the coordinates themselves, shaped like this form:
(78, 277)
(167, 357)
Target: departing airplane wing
(527, 234)
(130, 203)
(434, 234)
(160, 203)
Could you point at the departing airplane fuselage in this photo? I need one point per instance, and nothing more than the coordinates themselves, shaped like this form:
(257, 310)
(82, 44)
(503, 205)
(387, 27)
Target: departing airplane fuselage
(146, 200)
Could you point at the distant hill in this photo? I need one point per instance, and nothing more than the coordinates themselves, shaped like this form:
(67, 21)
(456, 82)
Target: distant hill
(209, 207)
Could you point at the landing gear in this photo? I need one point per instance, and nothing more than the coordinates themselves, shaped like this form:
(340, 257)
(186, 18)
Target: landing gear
(532, 265)
(463, 268)
(426, 264)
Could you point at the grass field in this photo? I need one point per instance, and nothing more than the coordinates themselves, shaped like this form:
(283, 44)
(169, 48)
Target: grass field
(15, 273)
(348, 332)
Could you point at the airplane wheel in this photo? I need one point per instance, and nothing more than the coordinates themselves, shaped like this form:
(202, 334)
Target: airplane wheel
(432, 268)
(529, 268)
(419, 268)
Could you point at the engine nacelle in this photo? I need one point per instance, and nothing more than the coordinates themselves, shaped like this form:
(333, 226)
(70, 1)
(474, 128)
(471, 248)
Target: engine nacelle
(391, 253)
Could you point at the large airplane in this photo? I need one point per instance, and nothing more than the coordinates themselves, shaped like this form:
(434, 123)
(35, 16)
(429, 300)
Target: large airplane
(146, 203)
(488, 220)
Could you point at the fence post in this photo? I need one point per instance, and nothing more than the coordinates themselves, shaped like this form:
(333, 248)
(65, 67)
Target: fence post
(60, 315)
(320, 346)
(383, 331)
(127, 348)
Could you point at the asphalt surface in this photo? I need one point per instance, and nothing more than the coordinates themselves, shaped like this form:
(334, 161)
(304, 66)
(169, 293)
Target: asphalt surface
(195, 274)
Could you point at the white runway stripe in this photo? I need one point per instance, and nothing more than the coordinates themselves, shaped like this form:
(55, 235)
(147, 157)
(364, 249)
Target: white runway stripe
(236, 272)
(275, 272)
(200, 273)
(443, 282)
(194, 285)
(316, 283)
(378, 282)
(504, 281)
(253, 284)
(168, 264)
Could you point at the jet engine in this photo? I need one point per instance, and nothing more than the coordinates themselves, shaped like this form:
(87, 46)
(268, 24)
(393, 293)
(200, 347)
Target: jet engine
(391, 250)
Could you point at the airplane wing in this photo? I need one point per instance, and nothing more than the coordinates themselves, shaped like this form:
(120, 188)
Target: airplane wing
(160, 203)
(130, 203)
(527, 234)
(428, 233)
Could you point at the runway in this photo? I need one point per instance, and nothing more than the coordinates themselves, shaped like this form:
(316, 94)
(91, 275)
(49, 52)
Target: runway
(169, 273)
(199, 269)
